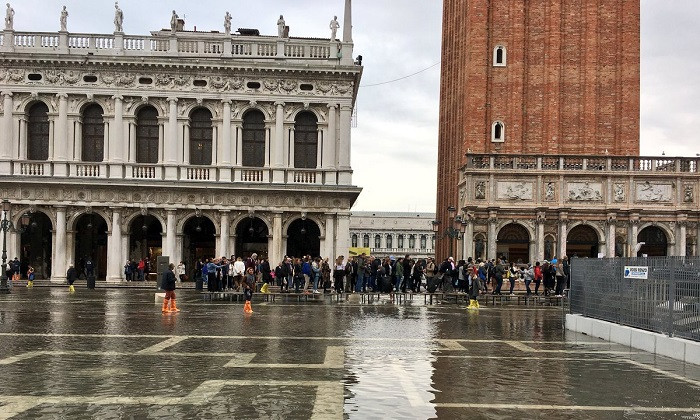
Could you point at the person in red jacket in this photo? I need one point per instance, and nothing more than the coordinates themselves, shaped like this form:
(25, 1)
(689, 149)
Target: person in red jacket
(538, 276)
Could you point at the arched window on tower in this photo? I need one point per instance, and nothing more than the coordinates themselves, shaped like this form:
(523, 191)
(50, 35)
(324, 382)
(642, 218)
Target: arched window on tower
(201, 134)
(147, 135)
(498, 132)
(253, 139)
(38, 132)
(93, 134)
(499, 56)
(305, 140)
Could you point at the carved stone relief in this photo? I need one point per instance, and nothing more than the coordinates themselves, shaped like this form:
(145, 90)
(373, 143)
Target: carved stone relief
(549, 191)
(646, 191)
(480, 190)
(585, 191)
(688, 194)
(619, 192)
(508, 190)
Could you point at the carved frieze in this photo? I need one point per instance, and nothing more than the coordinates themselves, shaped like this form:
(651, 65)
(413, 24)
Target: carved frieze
(509, 190)
(688, 194)
(585, 191)
(618, 192)
(654, 192)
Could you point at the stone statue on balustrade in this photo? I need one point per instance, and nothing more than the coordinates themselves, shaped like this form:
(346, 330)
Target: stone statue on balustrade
(64, 19)
(280, 26)
(173, 22)
(9, 18)
(118, 18)
(227, 23)
(334, 27)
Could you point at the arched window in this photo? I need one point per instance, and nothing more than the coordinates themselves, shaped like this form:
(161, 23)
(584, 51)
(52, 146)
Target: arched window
(93, 134)
(389, 241)
(38, 132)
(400, 242)
(305, 140)
(377, 241)
(147, 135)
(200, 137)
(253, 139)
(498, 133)
(423, 242)
(365, 241)
(411, 241)
(354, 241)
(499, 56)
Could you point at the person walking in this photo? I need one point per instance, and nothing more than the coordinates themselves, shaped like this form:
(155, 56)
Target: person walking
(339, 274)
(528, 276)
(513, 274)
(71, 276)
(248, 287)
(30, 277)
(181, 271)
(169, 282)
(560, 277)
(476, 286)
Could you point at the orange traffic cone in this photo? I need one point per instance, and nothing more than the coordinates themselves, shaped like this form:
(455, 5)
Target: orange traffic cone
(165, 306)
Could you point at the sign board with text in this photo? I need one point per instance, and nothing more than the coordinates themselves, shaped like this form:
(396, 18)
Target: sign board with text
(636, 272)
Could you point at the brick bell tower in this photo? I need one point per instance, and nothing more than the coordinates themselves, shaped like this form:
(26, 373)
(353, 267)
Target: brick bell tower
(538, 77)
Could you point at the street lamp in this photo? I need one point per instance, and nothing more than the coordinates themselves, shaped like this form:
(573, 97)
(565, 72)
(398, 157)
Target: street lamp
(454, 230)
(5, 225)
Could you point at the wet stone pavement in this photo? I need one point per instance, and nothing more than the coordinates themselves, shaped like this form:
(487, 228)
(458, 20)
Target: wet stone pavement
(111, 354)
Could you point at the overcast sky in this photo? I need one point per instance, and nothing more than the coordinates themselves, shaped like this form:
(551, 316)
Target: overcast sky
(394, 145)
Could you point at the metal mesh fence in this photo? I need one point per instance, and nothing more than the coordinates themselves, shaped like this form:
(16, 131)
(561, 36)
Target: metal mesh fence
(667, 301)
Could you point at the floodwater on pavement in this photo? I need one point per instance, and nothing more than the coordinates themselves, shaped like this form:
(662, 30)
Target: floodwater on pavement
(111, 353)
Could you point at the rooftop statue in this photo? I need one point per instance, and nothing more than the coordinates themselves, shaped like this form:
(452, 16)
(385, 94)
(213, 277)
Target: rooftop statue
(9, 17)
(227, 23)
(280, 26)
(173, 22)
(64, 19)
(118, 18)
(334, 27)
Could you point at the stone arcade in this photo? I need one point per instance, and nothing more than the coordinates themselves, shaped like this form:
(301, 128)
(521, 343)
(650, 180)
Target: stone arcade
(178, 143)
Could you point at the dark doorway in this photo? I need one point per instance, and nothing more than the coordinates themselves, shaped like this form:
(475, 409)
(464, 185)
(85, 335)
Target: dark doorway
(251, 237)
(91, 243)
(655, 242)
(35, 245)
(199, 241)
(304, 238)
(582, 241)
(513, 243)
(146, 240)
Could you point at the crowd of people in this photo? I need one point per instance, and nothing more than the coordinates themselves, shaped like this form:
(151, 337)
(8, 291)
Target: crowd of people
(313, 275)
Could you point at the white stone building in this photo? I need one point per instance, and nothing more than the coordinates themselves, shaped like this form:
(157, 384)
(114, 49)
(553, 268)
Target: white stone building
(532, 207)
(393, 233)
(178, 143)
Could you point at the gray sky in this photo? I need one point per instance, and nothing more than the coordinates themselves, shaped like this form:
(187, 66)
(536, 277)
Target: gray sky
(394, 146)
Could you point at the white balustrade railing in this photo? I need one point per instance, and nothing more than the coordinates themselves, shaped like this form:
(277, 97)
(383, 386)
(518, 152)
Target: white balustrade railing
(198, 173)
(300, 176)
(32, 169)
(252, 175)
(182, 44)
(144, 172)
(89, 170)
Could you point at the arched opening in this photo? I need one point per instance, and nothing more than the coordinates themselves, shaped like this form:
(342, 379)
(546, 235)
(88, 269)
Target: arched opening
(582, 241)
(655, 242)
(513, 243)
(305, 140)
(497, 132)
(38, 132)
(201, 134)
(146, 240)
(354, 241)
(147, 134)
(35, 245)
(479, 246)
(377, 241)
(91, 245)
(253, 142)
(251, 237)
(93, 134)
(199, 241)
(304, 238)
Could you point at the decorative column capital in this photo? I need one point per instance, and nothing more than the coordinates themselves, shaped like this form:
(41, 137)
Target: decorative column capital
(172, 100)
(226, 102)
(6, 93)
(332, 106)
(62, 96)
(118, 98)
(279, 104)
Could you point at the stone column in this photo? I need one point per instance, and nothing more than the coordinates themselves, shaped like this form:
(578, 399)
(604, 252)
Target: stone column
(633, 234)
(562, 234)
(170, 236)
(329, 142)
(222, 249)
(171, 144)
(6, 148)
(22, 152)
(329, 250)
(225, 174)
(276, 253)
(539, 237)
(116, 148)
(681, 240)
(278, 145)
(345, 146)
(60, 258)
(491, 249)
(342, 238)
(610, 236)
(61, 144)
(114, 247)
(468, 242)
